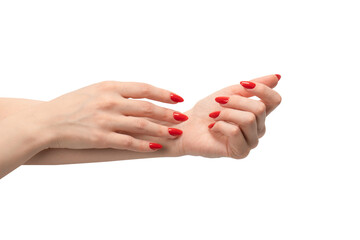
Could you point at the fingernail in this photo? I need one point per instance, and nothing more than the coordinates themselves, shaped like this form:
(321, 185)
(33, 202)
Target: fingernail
(214, 114)
(247, 84)
(211, 125)
(155, 146)
(175, 131)
(176, 98)
(278, 76)
(180, 117)
(222, 100)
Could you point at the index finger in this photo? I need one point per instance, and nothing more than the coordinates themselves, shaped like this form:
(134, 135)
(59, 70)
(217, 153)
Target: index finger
(270, 80)
(143, 90)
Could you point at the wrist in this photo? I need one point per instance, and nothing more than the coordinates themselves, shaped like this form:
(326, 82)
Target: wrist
(171, 147)
(36, 132)
(176, 146)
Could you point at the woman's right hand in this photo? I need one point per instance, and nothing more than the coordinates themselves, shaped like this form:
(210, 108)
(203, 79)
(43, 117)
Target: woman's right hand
(228, 123)
(105, 114)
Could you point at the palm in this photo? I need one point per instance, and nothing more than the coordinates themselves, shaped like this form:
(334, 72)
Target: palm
(197, 138)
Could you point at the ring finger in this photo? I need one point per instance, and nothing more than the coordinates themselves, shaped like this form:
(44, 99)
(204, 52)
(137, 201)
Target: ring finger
(245, 120)
(137, 125)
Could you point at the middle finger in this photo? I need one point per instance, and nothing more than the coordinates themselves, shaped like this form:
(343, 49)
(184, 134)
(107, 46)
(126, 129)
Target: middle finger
(258, 108)
(139, 108)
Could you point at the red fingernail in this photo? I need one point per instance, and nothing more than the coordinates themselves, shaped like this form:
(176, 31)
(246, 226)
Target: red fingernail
(155, 146)
(175, 131)
(176, 98)
(278, 76)
(180, 117)
(247, 84)
(214, 114)
(222, 100)
(211, 125)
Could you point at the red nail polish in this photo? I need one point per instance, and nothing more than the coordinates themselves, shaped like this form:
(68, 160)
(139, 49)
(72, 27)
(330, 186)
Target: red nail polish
(211, 125)
(180, 117)
(222, 100)
(247, 84)
(278, 76)
(214, 114)
(176, 98)
(175, 131)
(155, 146)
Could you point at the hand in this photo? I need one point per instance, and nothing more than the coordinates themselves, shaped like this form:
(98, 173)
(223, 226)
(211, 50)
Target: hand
(102, 115)
(238, 125)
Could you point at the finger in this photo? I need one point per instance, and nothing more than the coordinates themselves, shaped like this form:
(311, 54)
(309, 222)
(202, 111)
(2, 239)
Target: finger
(246, 104)
(270, 97)
(144, 90)
(245, 120)
(139, 108)
(269, 80)
(227, 129)
(239, 148)
(137, 125)
(126, 142)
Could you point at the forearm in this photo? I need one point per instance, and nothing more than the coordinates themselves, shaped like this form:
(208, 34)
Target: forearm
(20, 140)
(9, 106)
(70, 156)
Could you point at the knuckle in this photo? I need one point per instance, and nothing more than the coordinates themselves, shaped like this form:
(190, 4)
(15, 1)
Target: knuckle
(166, 114)
(98, 139)
(234, 131)
(105, 102)
(261, 108)
(262, 132)
(277, 99)
(148, 108)
(109, 103)
(243, 154)
(163, 131)
(249, 119)
(225, 113)
(106, 85)
(105, 121)
(254, 144)
(140, 124)
(145, 89)
(100, 120)
(128, 142)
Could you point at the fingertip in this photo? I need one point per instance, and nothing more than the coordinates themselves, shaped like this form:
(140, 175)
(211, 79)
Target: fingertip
(180, 117)
(222, 100)
(175, 132)
(278, 76)
(176, 98)
(214, 114)
(155, 146)
(248, 84)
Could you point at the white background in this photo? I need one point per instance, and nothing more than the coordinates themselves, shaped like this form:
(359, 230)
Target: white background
(301, 182)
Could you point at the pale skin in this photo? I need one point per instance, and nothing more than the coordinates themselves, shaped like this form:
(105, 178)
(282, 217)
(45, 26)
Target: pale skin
(81, 127)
